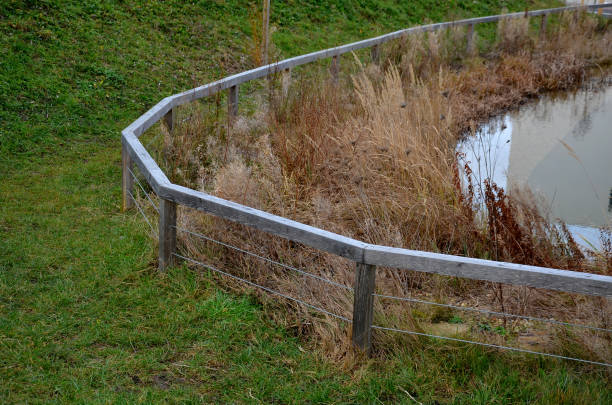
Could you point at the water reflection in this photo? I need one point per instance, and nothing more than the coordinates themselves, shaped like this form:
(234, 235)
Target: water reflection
(559, 147)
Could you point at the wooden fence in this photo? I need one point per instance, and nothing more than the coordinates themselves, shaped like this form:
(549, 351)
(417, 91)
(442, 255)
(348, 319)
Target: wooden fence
(366, 256)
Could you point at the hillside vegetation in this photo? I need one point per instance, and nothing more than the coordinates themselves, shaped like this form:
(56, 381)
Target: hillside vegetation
(84, 315)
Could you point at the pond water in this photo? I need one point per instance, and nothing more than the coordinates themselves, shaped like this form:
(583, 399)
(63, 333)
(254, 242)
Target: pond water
(559, 147)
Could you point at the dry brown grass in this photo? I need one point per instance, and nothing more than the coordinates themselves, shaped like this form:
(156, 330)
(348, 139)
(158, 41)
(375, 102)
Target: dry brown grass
(375, 160)
(513, 35)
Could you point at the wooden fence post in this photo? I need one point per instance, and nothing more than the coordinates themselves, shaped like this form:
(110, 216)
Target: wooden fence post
(600, 11)
(169, 119)
(232, 102)
(470, 39)
(335, 68)
(127, 181)
(286, 82)
(363, 306)
(543, 24)
(167, 233)
(375, 54)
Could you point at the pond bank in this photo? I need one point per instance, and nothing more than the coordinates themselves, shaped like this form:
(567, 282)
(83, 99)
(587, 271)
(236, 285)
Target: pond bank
(556, 148)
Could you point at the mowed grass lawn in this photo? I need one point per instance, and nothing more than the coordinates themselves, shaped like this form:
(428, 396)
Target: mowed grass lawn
(84, 315)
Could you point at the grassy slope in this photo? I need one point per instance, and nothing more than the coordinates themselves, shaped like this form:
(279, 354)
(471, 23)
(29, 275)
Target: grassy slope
(84, 316)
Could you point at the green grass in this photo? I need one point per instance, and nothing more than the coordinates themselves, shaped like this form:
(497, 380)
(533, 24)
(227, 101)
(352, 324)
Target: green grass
(84, 315)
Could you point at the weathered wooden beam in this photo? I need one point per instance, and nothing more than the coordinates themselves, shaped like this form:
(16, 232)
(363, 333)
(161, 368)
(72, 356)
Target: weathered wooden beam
(127, 181)
(489, 270)
(143, 160)
(363, 306)
(232, 102)
(167, 233)
(477, 269)
(148, 119)
(272, 224)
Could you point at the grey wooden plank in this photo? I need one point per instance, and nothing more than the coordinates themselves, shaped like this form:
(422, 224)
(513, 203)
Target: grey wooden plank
(363, 306)
(167, 233)
(146, 120)
(273, 224)
(479, 269)
(604, 9)
(603, 6)
(147, 165)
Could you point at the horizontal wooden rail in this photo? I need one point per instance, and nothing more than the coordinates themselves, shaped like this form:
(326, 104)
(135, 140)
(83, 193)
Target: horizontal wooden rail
(273, 224)
(458, 266)
(489, 270)
(136, 153)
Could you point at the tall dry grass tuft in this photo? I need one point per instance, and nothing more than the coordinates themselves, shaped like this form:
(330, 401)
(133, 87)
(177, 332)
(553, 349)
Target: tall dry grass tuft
(255, 46)
(513, 35)
(374, 158)
(425, 53)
